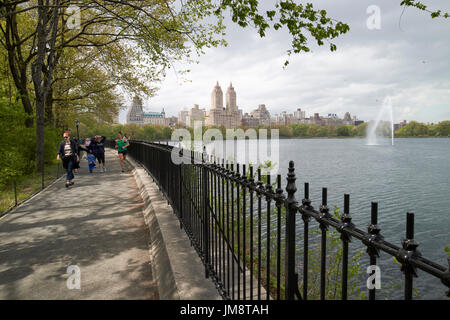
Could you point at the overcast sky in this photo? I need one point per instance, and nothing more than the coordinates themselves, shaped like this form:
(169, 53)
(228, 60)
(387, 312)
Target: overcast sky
(407, 59)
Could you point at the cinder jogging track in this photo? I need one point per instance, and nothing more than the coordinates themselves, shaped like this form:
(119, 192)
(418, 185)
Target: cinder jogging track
(96, 225)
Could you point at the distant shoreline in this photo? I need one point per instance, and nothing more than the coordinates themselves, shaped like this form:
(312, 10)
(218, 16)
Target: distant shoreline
(319, 138)
(360, 137)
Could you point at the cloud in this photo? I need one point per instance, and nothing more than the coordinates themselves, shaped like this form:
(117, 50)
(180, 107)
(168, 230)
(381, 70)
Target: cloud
(407, 59)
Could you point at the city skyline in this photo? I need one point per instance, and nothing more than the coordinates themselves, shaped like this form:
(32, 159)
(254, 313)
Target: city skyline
(224, 111)
(407, 59)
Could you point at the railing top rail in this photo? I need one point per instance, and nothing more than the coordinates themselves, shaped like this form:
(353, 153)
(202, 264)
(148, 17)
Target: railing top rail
(377, 242)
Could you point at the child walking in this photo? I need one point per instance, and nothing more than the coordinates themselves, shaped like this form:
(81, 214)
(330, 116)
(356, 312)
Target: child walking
(91, 161)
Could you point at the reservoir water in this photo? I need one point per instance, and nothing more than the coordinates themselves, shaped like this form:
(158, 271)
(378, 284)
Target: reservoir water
(412, 175)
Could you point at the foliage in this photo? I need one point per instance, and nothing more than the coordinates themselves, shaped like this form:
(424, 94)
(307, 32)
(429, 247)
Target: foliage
(301, 130)
(27, 185)
(413, 129)
(333, 267)
(419, 5)
(18, 144)
(343, 131)
(147, 132)
(418, 129)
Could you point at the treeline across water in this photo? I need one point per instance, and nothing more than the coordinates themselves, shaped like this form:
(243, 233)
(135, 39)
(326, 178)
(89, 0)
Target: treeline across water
(296, 130)
(412, 129)
(419, 129)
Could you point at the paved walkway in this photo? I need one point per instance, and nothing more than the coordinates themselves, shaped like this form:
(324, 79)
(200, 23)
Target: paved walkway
(97, 225)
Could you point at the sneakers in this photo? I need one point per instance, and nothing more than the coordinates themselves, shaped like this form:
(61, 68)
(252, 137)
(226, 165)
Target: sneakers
(104, 169)
(67, 184)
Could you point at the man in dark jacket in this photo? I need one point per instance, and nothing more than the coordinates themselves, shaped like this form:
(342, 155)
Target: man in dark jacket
(98, 149)
(68, 152)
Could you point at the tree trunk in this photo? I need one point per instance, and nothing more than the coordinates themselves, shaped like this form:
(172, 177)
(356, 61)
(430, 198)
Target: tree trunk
(42, 88)
(36, 73)
(49, 115)
(19, 76)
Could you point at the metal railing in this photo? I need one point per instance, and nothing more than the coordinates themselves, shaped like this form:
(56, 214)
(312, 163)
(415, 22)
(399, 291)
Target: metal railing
(14, 187)
(244, 227)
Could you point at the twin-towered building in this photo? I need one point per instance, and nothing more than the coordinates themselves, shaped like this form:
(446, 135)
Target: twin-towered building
(228, 117)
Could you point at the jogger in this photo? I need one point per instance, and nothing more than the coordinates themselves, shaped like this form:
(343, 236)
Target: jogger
(122, 144)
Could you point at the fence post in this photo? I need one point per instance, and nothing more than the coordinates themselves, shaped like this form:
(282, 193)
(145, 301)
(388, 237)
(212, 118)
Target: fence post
(306, 204)
(346, 221)
(291, 279)
(15, 192)
(205, 213)
(43, 172)
(181, 189)
(408, 252)
(324, 214)
(374, 235)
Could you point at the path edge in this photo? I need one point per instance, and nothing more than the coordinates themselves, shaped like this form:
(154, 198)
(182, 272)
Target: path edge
(178, 270)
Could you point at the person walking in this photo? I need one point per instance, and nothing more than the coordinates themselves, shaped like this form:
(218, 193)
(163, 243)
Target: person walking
(91, 161)
(122, 144)
(68, 153)
(87, 143)
(98, 148)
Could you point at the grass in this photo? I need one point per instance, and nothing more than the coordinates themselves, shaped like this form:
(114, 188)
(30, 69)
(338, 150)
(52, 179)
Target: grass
(28, 185)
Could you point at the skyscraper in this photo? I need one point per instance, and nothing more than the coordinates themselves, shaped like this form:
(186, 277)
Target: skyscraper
(229, 117)
(137, 115)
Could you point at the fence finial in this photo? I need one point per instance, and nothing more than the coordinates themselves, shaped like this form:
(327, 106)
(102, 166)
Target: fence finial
(290, 187)
(291, 209)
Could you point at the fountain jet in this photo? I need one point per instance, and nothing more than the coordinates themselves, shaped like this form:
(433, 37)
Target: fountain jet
(372, 128)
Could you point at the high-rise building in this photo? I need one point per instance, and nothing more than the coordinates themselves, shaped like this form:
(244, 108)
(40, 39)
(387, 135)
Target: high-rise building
(348, 119)
(195, 114)
(229, 117)
(262, 115)
(137, 115)
(182, 116)
(299, 114)
(249, 121)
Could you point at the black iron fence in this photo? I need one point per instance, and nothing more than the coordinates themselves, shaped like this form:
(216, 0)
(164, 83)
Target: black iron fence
(245, 228)
(12, 194)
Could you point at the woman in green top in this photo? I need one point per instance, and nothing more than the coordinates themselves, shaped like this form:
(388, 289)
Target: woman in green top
(122, 144)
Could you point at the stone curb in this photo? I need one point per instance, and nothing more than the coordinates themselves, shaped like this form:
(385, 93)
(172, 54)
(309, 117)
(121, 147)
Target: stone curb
(177, 268)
